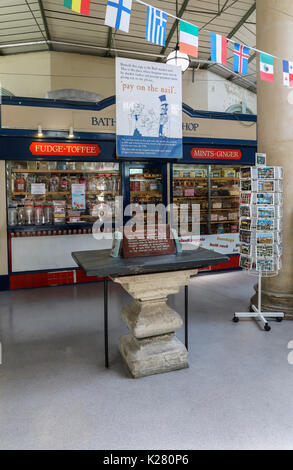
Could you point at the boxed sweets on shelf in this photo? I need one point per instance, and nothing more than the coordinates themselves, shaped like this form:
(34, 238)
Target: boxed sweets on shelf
(59, 214)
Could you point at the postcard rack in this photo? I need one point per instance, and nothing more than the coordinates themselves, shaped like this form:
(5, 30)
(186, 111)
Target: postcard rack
(261, 200)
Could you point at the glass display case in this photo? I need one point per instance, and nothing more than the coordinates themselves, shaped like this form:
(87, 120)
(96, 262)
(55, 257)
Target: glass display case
(215, 189)
(55, 193)
(145, 187)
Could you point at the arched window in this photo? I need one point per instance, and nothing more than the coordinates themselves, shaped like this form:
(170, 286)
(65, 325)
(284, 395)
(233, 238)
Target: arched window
(5, 92)
(240, 108)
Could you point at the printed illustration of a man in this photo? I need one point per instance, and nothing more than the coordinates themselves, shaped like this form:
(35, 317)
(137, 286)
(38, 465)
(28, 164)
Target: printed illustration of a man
(164, 119)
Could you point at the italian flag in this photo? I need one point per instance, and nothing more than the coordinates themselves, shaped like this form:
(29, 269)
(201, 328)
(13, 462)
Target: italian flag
(188, 39)
(80, 6)
(266, 67)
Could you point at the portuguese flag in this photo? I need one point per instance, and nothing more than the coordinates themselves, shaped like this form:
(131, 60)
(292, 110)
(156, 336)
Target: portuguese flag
(266, 67)
(188, 39)
(80, 6)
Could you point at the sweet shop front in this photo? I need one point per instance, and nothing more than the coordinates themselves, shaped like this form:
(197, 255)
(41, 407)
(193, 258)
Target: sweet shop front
(58, 166)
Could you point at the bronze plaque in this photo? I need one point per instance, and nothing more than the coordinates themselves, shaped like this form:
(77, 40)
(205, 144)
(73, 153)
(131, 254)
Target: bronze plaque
(151, 240)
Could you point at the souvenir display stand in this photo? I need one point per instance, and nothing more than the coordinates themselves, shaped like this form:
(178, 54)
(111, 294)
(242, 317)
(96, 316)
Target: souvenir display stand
(260, 230)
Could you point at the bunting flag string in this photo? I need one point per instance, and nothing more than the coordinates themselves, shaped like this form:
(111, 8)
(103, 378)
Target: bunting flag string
(118, 13)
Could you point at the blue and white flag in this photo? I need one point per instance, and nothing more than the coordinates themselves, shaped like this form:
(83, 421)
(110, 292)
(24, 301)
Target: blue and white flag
(241, 56)
(118, 14)
(156, 26)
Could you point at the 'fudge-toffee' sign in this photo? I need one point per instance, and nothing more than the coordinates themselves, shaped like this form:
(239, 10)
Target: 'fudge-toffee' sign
(149, 241)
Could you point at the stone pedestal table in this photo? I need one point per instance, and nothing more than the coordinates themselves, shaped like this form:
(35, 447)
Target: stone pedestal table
(151, 346)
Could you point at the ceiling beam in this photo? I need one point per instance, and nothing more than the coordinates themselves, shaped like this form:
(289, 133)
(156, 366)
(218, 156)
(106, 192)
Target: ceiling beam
(239, 24)
(43, 15)
(174, 26)
(109, 41)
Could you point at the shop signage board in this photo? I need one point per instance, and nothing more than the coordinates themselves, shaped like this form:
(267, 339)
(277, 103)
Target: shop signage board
(64, 149)
(148, 109)
(216, 154)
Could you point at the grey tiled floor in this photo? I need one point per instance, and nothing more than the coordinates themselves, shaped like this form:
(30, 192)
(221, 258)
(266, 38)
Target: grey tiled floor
(56, 394)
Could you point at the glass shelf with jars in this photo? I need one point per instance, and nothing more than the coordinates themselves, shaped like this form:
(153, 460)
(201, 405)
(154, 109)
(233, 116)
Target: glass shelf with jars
(101, 182)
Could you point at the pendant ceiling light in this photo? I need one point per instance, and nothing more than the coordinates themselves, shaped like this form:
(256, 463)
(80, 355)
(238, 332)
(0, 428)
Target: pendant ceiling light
(176, 57)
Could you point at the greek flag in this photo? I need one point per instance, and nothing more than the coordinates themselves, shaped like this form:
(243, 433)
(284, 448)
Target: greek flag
(156, 26)
(118, 14)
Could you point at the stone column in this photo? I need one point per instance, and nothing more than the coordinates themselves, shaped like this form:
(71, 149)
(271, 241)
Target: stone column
(274, 34)
(151, 347)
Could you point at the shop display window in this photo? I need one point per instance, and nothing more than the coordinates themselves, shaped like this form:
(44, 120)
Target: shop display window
(41, 192)
(215, 189)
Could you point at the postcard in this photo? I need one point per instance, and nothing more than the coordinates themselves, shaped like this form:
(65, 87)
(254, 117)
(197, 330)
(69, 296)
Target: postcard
(260, 159)
(245, 236)
(245, 262)
(245, 198)
(265, 224)
(265, 198)
(265, 251)
(245, 224)
(264, 238)
(265, 265)
(266, 212)
(245, 185)
(245, 249)
(245, 211)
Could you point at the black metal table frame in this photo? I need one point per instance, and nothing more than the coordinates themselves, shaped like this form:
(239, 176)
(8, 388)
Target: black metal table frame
(106, 320)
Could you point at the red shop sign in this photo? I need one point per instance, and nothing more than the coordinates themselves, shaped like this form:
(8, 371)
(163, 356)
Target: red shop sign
(65, 149)
(216, 154)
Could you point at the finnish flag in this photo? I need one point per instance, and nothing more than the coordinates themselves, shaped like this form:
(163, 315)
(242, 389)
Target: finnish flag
(156, 26)
(118, 14)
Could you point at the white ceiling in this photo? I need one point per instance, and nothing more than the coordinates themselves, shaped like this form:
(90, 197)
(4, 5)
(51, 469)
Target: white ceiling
(34, 25)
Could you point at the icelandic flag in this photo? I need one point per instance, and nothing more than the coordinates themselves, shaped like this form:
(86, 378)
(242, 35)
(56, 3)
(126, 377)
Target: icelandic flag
(288, 73)
(218, 48)
(118, 14)
(241, 56)
(156, 26)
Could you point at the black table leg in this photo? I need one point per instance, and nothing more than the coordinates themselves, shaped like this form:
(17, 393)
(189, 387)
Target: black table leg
(106, 322)
(186, 317)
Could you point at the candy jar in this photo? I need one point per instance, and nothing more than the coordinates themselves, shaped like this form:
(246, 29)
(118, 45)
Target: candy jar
(12, 214)
(20, 214)
(19, 184)
(63, 183)
(48, 213)
(39, 213)
(29, 212)
(54, 184)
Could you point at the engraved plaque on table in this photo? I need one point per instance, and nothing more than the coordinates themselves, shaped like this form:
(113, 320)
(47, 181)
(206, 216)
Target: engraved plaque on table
(151, 240)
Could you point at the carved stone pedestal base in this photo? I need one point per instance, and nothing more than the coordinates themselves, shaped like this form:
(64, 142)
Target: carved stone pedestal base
(153, 355)
(152, 347)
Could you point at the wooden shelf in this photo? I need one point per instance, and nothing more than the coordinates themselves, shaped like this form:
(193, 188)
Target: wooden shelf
(96, 172)
(225, 222)
(62, 193)
(222, 197)
(224, 179)
(190, 178)
(226, 209)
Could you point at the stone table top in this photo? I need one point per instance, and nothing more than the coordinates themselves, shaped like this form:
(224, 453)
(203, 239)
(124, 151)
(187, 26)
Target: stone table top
(99, 262)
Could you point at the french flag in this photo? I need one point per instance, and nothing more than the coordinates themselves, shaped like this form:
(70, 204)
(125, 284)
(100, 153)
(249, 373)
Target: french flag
(218, 49)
